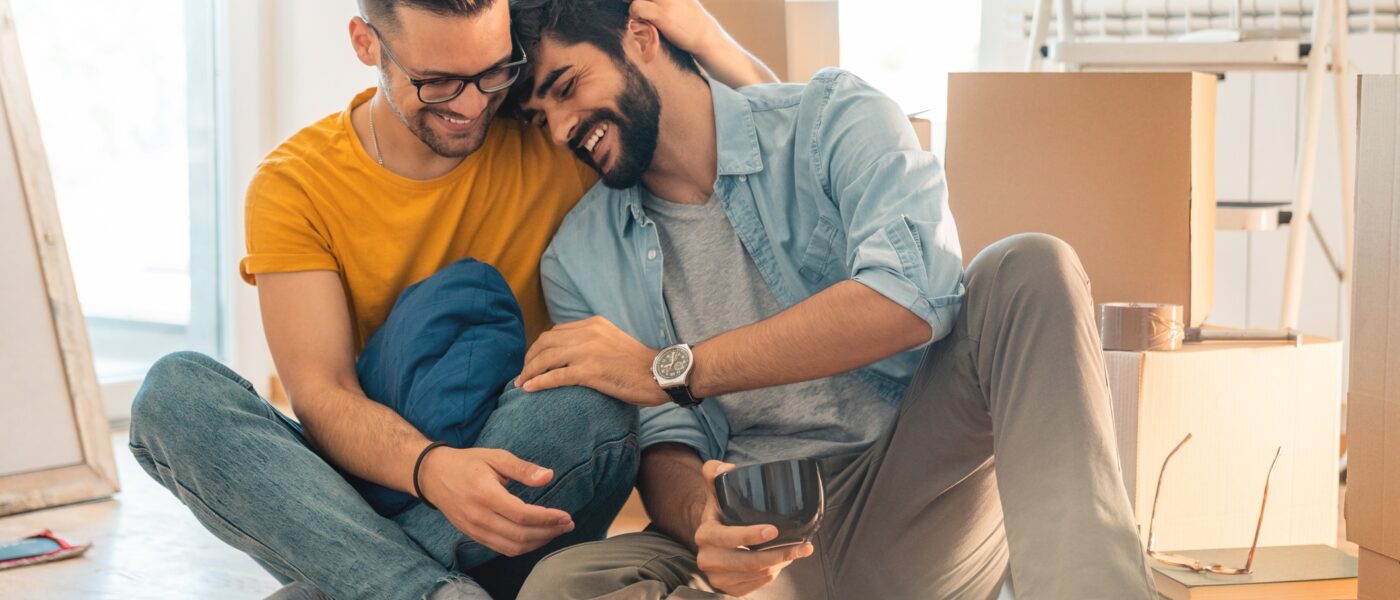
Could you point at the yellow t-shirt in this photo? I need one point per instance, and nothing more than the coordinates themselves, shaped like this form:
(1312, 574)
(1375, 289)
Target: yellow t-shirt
(320, 202)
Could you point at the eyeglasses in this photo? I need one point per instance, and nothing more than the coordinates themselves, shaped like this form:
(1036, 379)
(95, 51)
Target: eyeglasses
(437, 90)
(1187, 562)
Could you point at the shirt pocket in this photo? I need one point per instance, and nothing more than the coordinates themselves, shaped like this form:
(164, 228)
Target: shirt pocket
(817, 262)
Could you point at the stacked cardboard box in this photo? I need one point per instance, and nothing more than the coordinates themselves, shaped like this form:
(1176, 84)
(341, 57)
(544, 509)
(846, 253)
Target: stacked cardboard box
(796, 38)
(1373, 419)
(1240, 402)
(1120, 165)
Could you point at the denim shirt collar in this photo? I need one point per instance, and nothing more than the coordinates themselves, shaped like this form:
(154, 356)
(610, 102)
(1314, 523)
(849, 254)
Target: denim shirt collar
(736, 139)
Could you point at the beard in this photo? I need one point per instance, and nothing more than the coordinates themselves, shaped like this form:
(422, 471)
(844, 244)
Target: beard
(448, 145)
(636, 133)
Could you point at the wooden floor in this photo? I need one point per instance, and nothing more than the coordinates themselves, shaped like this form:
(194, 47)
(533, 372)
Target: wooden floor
(147, 546)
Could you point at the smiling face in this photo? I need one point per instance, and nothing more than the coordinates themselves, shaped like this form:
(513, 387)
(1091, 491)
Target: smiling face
(605, 110)
(426, 46)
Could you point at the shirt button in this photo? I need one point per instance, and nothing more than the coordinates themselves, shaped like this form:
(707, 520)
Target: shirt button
(744, 178)
(651, 255)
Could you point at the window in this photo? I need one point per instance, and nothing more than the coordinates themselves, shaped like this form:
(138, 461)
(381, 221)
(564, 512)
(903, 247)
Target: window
(906, 48)
(125, 96)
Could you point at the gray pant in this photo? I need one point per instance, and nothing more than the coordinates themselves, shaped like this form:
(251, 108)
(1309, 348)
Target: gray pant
(1004, 444)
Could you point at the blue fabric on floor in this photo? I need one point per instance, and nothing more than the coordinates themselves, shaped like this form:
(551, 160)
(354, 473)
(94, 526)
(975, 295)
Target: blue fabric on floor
(449, 348)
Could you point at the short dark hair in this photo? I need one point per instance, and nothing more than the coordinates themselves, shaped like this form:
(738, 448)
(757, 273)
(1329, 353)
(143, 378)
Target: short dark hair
(384, 13)
(600, 23)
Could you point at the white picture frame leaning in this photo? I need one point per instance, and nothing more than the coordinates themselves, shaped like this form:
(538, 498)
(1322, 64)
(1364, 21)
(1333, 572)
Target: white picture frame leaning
(96, 475)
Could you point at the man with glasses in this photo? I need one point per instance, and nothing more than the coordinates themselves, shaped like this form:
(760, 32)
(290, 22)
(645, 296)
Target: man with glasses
(413, 176)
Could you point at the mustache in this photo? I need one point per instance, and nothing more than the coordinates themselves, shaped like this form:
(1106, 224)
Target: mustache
(450, 114)
(586, 128)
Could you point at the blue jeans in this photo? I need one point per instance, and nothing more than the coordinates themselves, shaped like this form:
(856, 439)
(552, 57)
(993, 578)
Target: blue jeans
(250, 477)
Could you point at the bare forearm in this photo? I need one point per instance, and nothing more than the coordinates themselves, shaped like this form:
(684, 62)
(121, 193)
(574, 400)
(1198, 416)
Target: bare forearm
(361, 436)
(845, 327)
(672, 489)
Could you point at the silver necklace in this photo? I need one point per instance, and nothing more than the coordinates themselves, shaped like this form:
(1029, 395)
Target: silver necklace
(374, 137)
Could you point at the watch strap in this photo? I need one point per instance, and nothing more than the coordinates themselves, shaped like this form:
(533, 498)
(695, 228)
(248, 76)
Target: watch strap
(681, 395)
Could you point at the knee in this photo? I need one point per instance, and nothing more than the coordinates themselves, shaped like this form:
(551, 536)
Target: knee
(556, 575)
(577, 412)
(569, 428)
(1035, 259)
(631, 565)
(174, 396)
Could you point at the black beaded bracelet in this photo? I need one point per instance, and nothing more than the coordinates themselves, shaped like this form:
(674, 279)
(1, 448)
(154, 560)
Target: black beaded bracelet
(417, 491)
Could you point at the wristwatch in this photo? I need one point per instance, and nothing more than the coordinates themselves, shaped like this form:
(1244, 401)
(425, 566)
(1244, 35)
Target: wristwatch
(671, 369)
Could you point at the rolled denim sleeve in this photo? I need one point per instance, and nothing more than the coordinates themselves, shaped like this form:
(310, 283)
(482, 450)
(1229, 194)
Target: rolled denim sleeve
(672, 423)
(703, 429)
(893, 201)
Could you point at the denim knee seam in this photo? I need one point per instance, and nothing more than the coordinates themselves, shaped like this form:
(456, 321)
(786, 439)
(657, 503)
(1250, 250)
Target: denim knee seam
(143, 454)
(578, 472)
(586, 467)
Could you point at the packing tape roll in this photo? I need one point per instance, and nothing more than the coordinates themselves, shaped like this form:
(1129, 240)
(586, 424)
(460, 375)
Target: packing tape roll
(1136, 327)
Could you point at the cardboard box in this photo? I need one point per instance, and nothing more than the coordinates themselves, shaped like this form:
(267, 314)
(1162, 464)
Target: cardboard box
(1120, 165)
(1373, 411)
(923, 128)
(796, 38)
(1378, 576)
(1240, 402)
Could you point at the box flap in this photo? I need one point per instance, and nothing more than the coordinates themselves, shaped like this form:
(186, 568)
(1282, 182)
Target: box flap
(1203, 98)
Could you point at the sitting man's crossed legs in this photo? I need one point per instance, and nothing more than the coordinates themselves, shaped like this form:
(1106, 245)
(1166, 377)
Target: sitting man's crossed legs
(1007, 418)
(250, 477)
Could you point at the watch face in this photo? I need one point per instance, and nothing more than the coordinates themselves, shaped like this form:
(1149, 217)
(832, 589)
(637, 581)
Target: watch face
(672, 363)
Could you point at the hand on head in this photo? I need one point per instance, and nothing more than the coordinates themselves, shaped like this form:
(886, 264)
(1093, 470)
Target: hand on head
(685, 23)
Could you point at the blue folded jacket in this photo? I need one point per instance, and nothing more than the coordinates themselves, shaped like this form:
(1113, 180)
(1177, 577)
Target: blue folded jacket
(450, 346)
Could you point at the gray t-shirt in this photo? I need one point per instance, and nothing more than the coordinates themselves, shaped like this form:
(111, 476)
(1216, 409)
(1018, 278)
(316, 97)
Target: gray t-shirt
(711, 286)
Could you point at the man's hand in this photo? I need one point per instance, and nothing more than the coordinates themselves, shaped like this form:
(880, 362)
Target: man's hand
(468, 486)
(723, 556)
(593, 353)
(684, 22)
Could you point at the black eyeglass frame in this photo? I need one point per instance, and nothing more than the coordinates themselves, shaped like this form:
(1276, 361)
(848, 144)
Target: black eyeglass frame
(462, 81)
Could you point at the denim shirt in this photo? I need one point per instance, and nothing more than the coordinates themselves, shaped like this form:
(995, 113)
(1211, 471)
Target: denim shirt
(823, 182)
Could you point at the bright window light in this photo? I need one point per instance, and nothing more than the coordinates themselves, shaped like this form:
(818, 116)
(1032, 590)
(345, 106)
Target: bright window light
(906, 48)
(120, 91)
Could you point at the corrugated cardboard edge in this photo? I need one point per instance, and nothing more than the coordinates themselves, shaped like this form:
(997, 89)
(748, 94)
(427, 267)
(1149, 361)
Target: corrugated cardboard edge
(1391, 479)
(1373, 495)
(1365, 469)
(1203, 99)
(1126, 368)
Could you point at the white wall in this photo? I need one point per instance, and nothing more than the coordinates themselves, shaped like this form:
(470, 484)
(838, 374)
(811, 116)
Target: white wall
(288, 64)
(316, 71)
